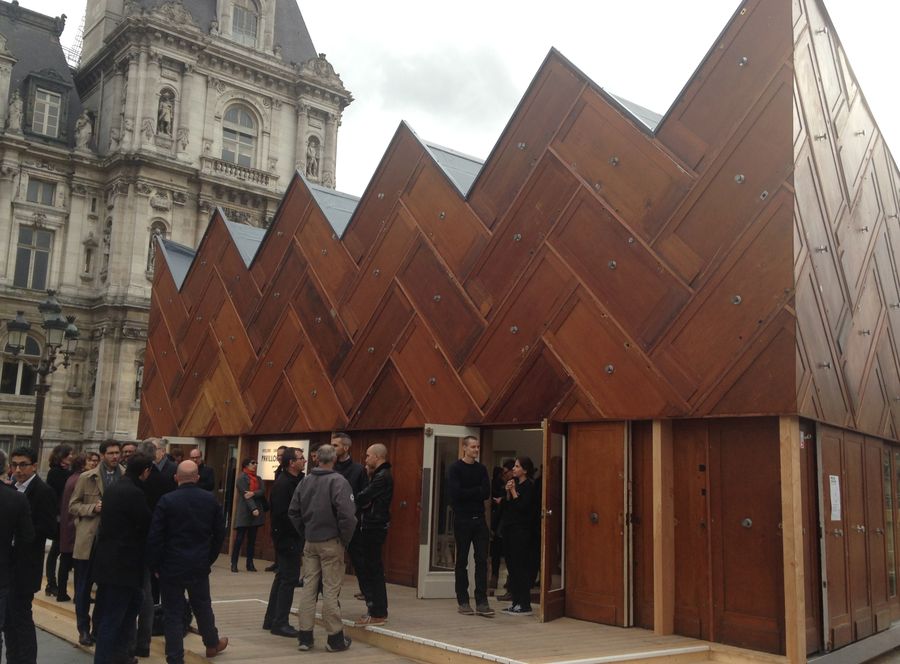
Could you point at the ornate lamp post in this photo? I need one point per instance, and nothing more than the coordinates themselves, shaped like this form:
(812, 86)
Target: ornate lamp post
(61, 341)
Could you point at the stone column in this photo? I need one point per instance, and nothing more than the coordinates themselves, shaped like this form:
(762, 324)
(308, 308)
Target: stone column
(142, 114)
(300, 142)
(329, 151)
(129, 128)
(183, 133)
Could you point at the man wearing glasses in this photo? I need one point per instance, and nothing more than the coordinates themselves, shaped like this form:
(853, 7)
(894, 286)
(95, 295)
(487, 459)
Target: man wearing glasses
(21, 640)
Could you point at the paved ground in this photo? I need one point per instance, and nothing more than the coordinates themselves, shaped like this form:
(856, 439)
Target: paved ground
(54, 649)
(892, 657)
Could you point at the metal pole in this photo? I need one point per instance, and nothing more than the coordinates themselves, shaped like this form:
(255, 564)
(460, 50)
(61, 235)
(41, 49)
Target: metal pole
(40, 393)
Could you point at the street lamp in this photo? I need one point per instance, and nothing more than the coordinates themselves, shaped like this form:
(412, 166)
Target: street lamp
(58, 331)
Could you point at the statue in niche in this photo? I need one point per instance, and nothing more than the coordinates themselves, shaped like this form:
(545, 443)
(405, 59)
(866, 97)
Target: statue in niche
(84, 130)
(312, 157)
(14, 123)
(165, 113)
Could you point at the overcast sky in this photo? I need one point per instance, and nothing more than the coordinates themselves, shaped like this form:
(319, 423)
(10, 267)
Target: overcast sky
(455, 71)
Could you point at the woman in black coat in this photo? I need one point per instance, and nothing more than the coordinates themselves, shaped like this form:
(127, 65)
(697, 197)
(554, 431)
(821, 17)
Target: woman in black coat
(516, 527)
(60, 459)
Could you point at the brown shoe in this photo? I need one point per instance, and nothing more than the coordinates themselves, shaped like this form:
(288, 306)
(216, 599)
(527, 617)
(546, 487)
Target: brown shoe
(212, 651)
(368, 620)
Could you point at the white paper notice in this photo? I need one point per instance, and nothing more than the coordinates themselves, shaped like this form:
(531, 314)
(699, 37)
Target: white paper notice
(835, 483)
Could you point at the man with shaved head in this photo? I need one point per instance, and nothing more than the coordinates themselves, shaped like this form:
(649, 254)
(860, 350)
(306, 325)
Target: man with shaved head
(185, 537)
(374, 503)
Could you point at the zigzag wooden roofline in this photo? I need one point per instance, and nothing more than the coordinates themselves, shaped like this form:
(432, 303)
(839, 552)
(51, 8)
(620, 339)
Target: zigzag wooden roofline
(592, 270)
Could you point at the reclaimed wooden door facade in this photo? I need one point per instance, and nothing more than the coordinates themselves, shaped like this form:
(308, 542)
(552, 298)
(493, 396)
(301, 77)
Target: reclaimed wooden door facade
(596, 515)
(811, 540)
(728, 560)
(553, 532)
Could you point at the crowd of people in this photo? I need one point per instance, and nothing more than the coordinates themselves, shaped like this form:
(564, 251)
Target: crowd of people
(142, 531)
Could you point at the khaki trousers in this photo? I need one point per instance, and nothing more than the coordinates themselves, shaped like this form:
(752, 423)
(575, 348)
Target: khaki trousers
(322, 561)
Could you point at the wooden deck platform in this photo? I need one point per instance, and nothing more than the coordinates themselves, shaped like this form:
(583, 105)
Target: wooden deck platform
(419, 630)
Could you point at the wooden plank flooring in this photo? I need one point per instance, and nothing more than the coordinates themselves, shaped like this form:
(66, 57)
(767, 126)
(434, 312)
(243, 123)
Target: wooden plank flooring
(239, 603)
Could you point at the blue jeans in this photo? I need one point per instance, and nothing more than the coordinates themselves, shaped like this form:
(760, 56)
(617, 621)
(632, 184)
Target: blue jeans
(119, 608)
(471, 531)
(172, 590)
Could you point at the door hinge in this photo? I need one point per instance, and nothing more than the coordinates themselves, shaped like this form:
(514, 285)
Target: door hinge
(628, 518)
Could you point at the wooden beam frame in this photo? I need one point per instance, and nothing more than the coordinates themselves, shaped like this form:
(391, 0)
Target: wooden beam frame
(663, 529)
(792, 539)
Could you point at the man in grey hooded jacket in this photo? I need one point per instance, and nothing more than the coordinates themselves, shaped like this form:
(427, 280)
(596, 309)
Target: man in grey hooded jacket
(322, 508)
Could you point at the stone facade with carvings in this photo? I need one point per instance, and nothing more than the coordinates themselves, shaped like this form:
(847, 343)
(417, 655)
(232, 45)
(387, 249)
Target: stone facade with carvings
(175, 108)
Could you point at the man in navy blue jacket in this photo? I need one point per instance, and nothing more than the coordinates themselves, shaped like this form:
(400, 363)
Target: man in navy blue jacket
(185, 537)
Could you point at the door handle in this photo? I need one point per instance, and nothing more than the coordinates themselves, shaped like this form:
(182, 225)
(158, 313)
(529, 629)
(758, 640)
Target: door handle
(860, 528)
(747, 523)
(837, 532)
(403, 504)
(595, 518)
(879, 531)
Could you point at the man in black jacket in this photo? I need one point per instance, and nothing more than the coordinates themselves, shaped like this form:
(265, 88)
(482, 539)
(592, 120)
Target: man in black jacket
(207, 474)
(15, 525)
(119, 560)
(21, 640)
(374, 503)
(185, 537)
(469, 488)
(288, 545)
(355, 474)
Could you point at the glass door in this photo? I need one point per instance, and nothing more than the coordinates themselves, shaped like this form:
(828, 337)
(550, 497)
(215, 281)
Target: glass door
(437, 549)
(553, 522)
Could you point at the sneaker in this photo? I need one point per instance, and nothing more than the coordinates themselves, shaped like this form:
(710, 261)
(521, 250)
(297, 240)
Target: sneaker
(484, 610)
(465, 609)
(518, 610)
(367, 620)
(305, 641)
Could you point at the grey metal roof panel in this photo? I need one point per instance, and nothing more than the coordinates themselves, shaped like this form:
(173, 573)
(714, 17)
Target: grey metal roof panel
(178, 258)
(337, 206)
(291, 32)
(650, 118)
(33, 40)
(462, 169)
(246, 238)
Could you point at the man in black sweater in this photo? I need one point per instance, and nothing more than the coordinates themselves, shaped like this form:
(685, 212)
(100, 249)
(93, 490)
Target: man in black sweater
(355, 474)
(469, 488)
(288, 545)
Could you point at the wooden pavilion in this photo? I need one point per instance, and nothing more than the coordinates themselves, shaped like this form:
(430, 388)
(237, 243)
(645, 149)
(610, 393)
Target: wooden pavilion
(693, 325)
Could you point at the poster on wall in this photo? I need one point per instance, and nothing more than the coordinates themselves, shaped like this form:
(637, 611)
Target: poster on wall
(835, 485)
(267, 456)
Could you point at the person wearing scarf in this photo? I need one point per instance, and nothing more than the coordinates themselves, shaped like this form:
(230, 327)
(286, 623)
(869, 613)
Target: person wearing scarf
(250, 513)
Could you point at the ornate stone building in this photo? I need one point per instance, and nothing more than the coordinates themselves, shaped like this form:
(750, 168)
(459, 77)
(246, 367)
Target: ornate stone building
(175, 108)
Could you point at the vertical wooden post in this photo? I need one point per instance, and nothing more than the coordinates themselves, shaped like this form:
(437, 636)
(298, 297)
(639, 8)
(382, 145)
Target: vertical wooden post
(663, 529)
(792, 540)
(234, 501)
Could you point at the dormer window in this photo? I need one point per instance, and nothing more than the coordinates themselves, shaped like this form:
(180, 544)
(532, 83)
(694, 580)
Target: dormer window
(245, 23)
(46, 113)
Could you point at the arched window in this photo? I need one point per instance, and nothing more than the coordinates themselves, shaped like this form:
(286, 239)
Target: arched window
(157, 230)
(239, 131)
(17, 376)
(245, 22)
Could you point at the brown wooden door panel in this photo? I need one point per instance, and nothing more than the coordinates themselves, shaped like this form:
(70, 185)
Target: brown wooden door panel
(691, 509)
(811, 552)
(238, 282)
(229, 330)
(520, 322)
(456, 233)
(401, 551)
(875, 526)
(857, 544)
(840, 630)
(166, 356)
(291, 213)
(525, 139)
(625, 167)
(642, 521)
(389, 181)
(281, 291)
(365, 360)
(640, 293)
(280, 412)
(326, 254)
(389, 402)
(595, 521)
(273, 360)
(521, 233)
(745, 518)
(322, 327)
(376, 274)
(440, 300)
(167, 302)
(526, 399)
(854, 141)
(225, 397)
(196, 372)
(857, 233)
(762, 157)
(606, 363)
(314, 392)
(553, 542)
(433, 382)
